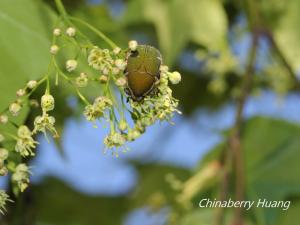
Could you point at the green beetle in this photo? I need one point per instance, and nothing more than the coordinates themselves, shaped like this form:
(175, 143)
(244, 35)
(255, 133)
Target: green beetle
(142, 71)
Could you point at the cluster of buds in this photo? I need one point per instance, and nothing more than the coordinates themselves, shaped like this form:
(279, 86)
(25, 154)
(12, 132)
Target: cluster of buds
(21, 176)
(3, 157)
(109, 63)
(97, 109)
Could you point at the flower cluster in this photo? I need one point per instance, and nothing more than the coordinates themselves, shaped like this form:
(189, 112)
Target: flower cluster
(160, 105)
(97, 109)
(3, 199)
(25, 143)
(21, 176)
(108, 71)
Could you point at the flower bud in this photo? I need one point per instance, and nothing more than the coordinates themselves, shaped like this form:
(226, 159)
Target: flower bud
(123, 125)
(82, 80)
(3, 154)
(15, 108)
(132, 45)
(121, 82)
(117, 50)
(20, 92)
(33, 103)
(103, 79)
(175, 77)
(71, 31)
(47, 102)
(54, 49)
(24, 132)
(3, 119)
(120, 64)
(71, 65)
(31, 84)
(2, 138)
(56, 32)
(3, 171)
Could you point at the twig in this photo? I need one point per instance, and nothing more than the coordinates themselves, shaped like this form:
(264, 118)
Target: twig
(235, 138)
(280, 54)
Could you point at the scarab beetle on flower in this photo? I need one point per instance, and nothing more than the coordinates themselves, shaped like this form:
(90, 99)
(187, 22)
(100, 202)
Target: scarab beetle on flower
(142, 71)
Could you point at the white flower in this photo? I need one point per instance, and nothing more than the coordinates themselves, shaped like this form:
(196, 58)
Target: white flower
(21, 176)
(71, 65)
(175, 77)
(25, 143)
(3, 119)
(47, 102)
(56, 32)
(114, 140)
(15, 108)
(54, 49)
(71, 31)
(132, 45)
(44, 123)
(31, 84)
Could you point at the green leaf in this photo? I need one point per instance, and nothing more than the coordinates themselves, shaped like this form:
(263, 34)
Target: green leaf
(24, 44)
(204, 23)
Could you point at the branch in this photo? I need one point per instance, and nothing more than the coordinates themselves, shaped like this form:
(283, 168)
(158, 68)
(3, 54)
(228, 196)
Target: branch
(280, 54)
(235, 138)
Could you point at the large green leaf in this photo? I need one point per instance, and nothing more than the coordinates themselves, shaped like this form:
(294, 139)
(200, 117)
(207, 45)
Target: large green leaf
(24, 43)
(179, 22)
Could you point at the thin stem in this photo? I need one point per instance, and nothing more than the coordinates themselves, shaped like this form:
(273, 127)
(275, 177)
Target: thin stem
(96, 31)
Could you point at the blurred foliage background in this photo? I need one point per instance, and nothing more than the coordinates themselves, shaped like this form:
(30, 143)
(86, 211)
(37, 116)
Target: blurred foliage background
(237, 58)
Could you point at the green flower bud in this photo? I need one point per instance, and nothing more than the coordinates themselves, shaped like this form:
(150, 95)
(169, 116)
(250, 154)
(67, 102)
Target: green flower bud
(175, 77)
(71, 65)
(132, 45)
(47, 102)
(71, 31)
(15, 108)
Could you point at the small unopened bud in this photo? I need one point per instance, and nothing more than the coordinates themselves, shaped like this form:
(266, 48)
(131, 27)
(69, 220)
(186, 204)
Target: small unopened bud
(121, 82)
(3, 154)
(164, 68)
(47, 102)
(123, 125)
(132, 45)
(71, 31)
(117, 50)
(82, 80)
(34, 103)
(21, 92)
(24, 132)
(120, 64)
(103, 79)
(56, 32)
(71, 65)
(54, 49)
(31, 84)
(3, 119)
(15, 108)
(175, 77)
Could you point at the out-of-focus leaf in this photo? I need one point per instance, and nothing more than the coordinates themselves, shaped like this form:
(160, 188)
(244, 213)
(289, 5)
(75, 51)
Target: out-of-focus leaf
(271, 150)
(291, 215)
(204, 23)
(283, 17)
(58, 204)
(24, 44)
